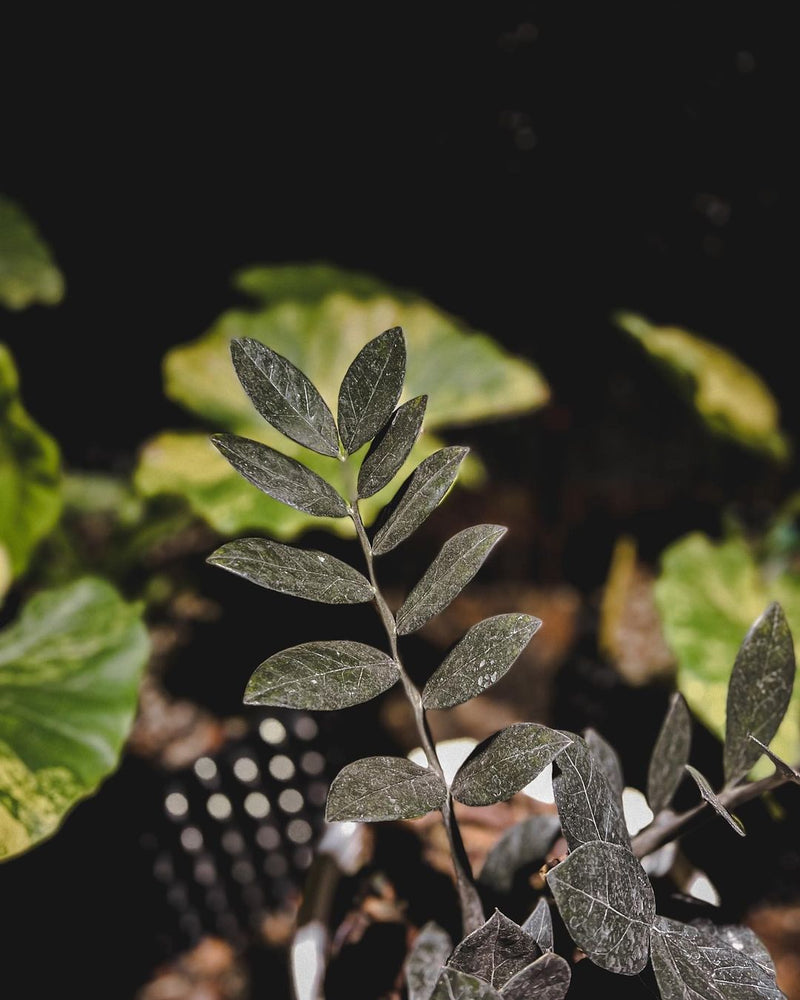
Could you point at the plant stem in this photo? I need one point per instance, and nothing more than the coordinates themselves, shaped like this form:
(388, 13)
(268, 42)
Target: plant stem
(669, 825)
(472, 914)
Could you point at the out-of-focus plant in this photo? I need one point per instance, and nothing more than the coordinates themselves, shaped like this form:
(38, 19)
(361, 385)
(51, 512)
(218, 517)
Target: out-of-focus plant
(317, 316)
(28, 273)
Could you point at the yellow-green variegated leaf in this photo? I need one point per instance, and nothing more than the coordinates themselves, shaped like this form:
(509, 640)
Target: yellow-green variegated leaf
(70, 667)
(30, 478)
(708, 595)
(28, 273)
(319, 318)
(730, 397)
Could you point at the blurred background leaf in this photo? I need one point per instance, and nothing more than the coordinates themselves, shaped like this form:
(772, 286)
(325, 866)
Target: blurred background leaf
(28, 273)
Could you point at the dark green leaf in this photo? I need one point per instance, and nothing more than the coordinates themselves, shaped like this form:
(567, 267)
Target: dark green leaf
(479, 660)
(690, 967)
(284, 396)
(547, 978)
(670, 754)
(384, 788)
(28, 273)
(280, 477)
(458, 561)
(739, 938)
(371, 387)
(419, 497)
(306, 573)
(588, 806)
(709, 795)
(70, 668)
(320, 676)
(526, 843)
(391, 447)
(607, 903)
(496, 951)
(455, 985)
(424, 965)
(506, 762)
(539, 925)
(780, 765)
(607, 758)
(759, 691)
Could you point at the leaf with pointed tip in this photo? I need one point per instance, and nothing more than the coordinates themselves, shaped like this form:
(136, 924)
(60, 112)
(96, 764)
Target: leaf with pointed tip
(780, 765)
(458, 561)
(284, 396)
(391, 447)
(506, 762)
(689, 967)
(424, 964)
(526, 843)
(496, 951)
(479, 660)
(607, 758)
(588, 806)
(377, 789)
(371, 387)
(316, 576)
(710, 796)
(670, 754)
(547, 978)
(455, 985)
(321, 676)
(419, 497)
(280, 477)
(28, 273)
(739, 938)
(607, 903)
(539, 925)
(759, 690)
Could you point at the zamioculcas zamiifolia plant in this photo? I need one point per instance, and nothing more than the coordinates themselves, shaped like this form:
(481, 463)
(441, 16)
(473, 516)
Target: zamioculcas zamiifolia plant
(598, 885)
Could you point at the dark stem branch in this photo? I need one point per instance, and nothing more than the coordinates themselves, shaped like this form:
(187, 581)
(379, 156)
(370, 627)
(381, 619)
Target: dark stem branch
(472, 914)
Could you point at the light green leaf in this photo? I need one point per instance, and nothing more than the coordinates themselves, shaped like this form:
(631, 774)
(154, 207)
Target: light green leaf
(322, 676)
(391, 447)
(315, 576)
(371, 388)
(30, 477)
(670, 754)
(708, 595)
(376, 789)
(28, 273)
(730, 397)
(69, 677)
(711, 798)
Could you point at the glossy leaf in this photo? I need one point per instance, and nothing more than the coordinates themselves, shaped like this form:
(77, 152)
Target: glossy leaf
(419, 497)
(588, 806)
(791, 773)
(280, 477)
(424, 964)
(480, 659)
(28, 273)
(526, 843)
(455, 985)
(739, 938)
(759, 691)
(607, 903)
(608, 759)
(539, 925)
(371, 388)
(690, 967)
(496, 951)
(391, 447)
(284, 396)
(547, 978)
(506, 762)
(70, 668)
(321, 676)
(458, 561)
(30, 477)
(384, 788)
(710, 796)
(708, 595)
(730, 398)
(670, 754)
(316, 576)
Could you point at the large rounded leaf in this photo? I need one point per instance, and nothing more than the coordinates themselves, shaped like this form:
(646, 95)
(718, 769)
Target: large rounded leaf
(69, 677)
(28, 273)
